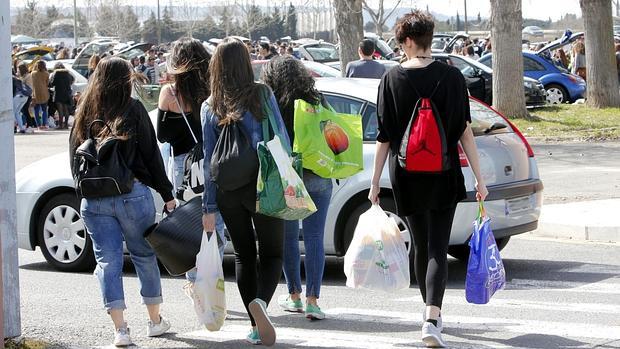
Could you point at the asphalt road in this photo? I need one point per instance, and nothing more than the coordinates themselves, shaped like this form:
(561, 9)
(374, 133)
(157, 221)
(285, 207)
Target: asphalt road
(558, 295)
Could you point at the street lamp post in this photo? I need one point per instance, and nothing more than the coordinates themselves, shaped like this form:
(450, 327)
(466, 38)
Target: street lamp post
(158, 24)
(75, 24)
(465, 16)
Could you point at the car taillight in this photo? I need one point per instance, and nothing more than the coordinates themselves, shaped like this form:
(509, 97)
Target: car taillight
(463, 157)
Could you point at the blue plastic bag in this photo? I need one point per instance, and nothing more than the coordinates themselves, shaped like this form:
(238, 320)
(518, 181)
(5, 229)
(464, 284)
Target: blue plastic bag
(485, 270)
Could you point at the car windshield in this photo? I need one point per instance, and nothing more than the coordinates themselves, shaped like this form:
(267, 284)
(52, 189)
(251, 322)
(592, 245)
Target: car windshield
(323, 52)
(473, 64)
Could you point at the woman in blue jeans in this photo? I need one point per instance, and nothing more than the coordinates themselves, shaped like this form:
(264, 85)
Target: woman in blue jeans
(290, 80)
(110, 220)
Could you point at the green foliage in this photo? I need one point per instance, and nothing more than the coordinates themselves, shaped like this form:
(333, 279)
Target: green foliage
(290, 24)
(572, 122)
(149, 29)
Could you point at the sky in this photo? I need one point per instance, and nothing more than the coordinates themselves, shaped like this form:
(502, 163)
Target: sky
(540, 9)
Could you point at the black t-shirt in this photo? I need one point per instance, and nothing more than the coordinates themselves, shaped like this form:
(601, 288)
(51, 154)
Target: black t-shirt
(172, 128)
(415, 192)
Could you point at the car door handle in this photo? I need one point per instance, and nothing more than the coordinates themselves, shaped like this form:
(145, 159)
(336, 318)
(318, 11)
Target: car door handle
(508, 170)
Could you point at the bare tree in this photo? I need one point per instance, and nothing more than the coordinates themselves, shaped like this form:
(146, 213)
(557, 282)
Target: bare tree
(191, 16)
(600, 59)
(380, 17)
(506, 20)
(350, 29)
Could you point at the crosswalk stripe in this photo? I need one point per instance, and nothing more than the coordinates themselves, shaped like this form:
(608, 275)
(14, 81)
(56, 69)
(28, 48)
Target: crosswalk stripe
(525, 304)
(563, 329)
(564, 286)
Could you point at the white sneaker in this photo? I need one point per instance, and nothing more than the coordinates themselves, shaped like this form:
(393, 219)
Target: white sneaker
(266, 331)
(431, 336)
(121, 337)
(155, 330)
(439, 321)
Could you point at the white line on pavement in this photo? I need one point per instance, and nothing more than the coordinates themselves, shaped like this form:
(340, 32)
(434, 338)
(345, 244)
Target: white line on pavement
(565, 286)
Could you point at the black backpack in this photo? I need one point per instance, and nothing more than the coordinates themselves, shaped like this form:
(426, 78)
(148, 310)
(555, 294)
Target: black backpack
(99, 168)
(234, 163)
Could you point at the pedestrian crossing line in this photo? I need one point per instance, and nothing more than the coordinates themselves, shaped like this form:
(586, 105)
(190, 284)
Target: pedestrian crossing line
(308, 337)
(564, 286)
(497, 302)
(521, 326)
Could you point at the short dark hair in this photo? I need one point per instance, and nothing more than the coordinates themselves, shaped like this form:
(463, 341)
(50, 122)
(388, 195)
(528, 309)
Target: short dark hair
(142, 59)
(367, 47)
(470, 50)
(417, 26)
(265, 46)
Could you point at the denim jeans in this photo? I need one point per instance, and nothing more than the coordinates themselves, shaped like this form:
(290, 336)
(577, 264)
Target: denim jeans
(18, 103)
(40, 109)
(109, 220)
(320, 190)
(179, 171)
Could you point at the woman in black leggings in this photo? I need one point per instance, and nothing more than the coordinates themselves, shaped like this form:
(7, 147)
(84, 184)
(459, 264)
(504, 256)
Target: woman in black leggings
(237, 99)
(427, 200)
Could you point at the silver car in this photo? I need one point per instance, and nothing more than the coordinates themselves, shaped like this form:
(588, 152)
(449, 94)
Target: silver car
(48, 209)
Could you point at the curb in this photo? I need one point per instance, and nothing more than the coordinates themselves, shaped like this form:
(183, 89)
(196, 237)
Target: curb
(588, 221)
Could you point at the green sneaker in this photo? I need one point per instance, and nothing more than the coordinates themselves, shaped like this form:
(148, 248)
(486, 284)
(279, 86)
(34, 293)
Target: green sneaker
(253, 337)
(313, 312)
(287, 304)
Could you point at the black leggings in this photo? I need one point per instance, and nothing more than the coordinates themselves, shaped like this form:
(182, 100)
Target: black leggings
(254, 280)
(431, 236)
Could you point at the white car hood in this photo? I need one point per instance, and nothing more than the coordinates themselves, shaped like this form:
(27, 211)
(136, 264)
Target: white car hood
(51, 172)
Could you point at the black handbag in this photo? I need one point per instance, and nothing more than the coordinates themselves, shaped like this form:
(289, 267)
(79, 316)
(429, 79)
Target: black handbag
(177, 237)
(234, 163)
(100, 169)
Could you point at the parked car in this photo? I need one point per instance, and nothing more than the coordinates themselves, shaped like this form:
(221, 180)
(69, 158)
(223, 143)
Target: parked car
(479, 79)
(102, 46)
(48, 208)
(35, 53)
(316, 69)
(321, 52)
(560, 84)
(381, 47)
(444, 43)
(79, 82)
(532, 30)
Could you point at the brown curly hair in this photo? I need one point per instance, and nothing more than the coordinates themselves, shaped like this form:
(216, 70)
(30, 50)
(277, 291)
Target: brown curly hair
(417, 26)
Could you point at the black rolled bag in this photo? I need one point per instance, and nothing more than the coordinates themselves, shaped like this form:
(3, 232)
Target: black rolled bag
(177, 237)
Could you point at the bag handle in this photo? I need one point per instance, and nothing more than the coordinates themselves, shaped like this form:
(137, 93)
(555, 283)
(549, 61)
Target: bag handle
(270, 123)
(176, 98)
(93, 123)
(482, 212)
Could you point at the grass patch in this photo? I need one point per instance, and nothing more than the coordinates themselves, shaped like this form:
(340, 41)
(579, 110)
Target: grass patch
(24, 343)
(572, 122)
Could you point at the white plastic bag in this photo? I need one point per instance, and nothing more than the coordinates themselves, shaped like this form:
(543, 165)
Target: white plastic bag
(210, 299)
(377, 258)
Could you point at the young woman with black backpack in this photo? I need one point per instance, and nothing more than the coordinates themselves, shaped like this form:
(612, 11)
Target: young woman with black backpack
(232, 127)
(426, 194)
(113, 217)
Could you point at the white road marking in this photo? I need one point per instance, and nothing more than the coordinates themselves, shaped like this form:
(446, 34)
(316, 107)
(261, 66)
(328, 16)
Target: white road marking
(564, 286)
(497, 302)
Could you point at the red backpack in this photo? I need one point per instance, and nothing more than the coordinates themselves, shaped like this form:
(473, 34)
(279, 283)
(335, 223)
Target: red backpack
(423, 148)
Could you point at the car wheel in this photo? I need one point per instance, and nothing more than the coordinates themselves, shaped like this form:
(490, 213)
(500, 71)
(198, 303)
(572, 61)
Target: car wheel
(62, 235)
(461, 252)
(389, 206)
(556, 94)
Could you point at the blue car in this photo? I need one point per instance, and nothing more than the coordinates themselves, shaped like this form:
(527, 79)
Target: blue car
(561, 85)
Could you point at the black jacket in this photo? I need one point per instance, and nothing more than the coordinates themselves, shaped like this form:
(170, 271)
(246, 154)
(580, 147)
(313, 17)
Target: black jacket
(140, 151)
(61, 80)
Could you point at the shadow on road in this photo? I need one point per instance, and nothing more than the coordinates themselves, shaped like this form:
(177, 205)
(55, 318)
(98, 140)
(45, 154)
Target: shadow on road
(533, 340)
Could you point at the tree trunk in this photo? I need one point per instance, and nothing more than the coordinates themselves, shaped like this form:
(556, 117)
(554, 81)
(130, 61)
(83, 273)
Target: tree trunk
(508, 93)
(350, 29)
(600, 58)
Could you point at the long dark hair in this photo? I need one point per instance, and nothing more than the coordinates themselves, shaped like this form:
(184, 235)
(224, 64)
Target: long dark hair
(233, 90)
(290, 80)
(188, 66)
(107, 97)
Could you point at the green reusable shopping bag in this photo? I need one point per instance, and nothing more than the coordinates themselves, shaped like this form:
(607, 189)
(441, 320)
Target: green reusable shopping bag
(280, 191)
(330, 142)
